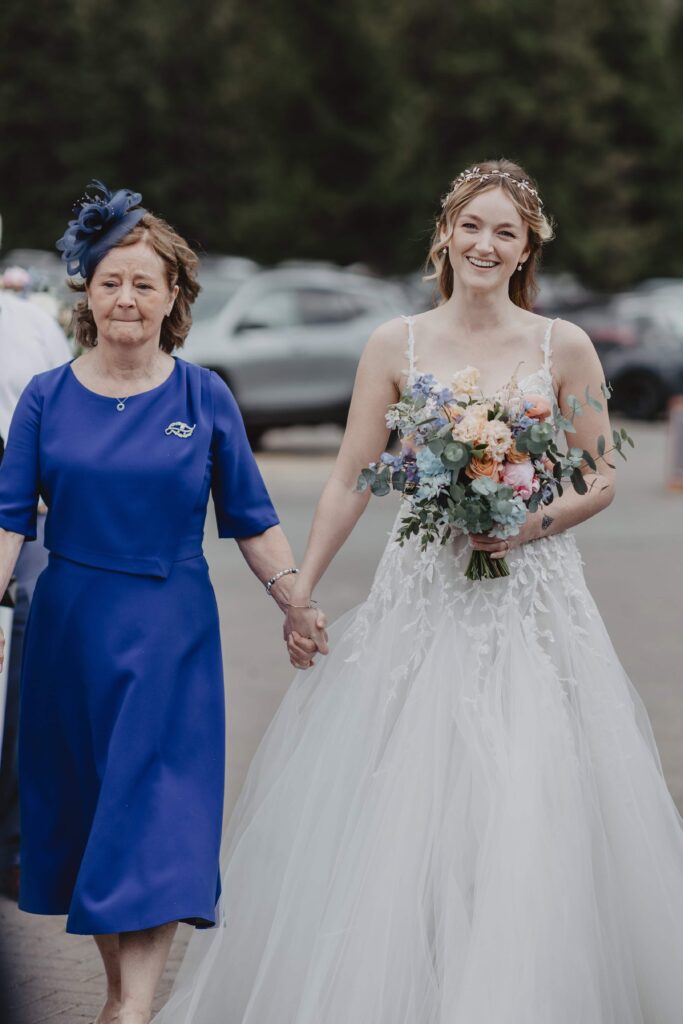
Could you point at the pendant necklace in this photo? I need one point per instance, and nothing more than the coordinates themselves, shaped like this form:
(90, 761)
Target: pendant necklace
(121, 403)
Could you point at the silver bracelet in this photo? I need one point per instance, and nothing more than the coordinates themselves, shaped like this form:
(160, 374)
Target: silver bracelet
(278, 576)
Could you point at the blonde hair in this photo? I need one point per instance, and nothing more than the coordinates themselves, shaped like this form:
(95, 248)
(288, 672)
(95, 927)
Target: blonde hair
(180, 264)
(520, 189)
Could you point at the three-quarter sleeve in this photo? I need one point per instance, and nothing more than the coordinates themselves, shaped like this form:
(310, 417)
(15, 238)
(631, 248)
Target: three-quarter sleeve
(19, 470)
(243, 506)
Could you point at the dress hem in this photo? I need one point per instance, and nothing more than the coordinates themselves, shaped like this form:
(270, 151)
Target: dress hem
(198, 921)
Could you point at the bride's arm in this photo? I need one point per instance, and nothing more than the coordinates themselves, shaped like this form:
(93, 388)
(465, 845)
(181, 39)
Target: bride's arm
(366, 435)
(576, 365)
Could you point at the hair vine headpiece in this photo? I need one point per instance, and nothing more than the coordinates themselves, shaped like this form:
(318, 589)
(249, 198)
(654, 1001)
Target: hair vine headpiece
(100, 222)
(476, 174)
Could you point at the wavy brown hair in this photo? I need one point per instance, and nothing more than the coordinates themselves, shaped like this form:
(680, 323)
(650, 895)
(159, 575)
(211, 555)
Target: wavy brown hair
(181, 265)
(523, 287)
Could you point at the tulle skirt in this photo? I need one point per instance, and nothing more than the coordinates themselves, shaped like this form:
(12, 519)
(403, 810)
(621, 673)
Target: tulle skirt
(457, 817)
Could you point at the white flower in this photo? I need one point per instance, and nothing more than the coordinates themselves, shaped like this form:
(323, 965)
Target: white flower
(498, 437)
(466, 382)
(469, 428)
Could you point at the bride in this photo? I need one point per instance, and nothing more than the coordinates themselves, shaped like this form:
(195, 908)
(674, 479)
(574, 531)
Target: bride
(459, 816)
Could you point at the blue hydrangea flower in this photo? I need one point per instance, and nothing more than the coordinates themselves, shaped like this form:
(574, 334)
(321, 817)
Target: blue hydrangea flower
(395, 461)
(428, 463)
(430, 486)
(526, 421)
(424, 385)
(508, 524)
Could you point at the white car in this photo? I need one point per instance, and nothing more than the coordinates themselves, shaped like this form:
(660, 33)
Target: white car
(287, 340)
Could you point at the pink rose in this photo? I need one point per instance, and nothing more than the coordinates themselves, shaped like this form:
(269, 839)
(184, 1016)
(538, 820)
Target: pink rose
(519, 475)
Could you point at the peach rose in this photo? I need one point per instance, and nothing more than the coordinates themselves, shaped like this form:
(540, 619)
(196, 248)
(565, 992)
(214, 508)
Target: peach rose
(485, 466)
(516, 456)
(470, 425)
(537, 407)
(521, 477)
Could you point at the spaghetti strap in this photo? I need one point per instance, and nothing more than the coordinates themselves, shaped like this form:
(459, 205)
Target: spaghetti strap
(410, 350)
(545, 345)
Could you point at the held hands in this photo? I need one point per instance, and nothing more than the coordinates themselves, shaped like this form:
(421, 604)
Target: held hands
(305, 635)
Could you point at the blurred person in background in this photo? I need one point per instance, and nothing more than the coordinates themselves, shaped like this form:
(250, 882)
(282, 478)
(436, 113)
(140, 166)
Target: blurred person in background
(459, 816)
(30, 342)
(121, 747)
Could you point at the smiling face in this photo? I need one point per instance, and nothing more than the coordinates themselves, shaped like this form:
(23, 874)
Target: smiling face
(488, 241)
(129, 295)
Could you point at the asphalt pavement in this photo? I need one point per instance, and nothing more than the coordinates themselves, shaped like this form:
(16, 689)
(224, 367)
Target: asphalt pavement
(633, 557)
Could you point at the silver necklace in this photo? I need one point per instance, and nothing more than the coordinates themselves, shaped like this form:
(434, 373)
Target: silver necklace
(121, 403)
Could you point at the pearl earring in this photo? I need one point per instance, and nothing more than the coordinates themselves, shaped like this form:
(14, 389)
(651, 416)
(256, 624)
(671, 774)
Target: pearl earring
(520, 265)
(444, 250)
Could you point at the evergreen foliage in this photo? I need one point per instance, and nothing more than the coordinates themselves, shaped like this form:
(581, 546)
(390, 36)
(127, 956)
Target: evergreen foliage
(279, 130)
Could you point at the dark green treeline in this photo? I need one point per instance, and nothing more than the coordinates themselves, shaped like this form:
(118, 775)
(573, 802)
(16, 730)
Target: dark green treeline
(295, 128)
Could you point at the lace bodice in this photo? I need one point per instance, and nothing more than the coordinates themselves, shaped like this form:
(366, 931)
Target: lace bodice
(436, 576)
(540, 380)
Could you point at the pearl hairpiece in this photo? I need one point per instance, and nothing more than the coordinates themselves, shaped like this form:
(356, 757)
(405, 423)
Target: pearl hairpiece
(476, 174)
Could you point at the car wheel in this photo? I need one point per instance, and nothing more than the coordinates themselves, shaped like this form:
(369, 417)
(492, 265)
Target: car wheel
(640, 396)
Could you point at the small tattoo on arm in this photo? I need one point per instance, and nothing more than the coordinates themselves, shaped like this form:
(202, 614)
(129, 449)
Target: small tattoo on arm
(546, 521)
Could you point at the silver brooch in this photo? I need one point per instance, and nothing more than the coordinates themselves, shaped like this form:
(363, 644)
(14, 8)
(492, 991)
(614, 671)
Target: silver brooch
(180, 429)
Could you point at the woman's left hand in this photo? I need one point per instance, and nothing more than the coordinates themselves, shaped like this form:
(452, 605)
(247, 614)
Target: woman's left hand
(305, 635)
(497, 548)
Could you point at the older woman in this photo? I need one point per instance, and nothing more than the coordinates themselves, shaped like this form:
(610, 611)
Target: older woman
(122, 727)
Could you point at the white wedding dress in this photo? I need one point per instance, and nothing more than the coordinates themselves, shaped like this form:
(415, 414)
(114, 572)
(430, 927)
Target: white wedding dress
(457, 817)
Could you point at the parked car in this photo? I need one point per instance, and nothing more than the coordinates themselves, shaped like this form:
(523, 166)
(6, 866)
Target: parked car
(288, 340)
(639, 339)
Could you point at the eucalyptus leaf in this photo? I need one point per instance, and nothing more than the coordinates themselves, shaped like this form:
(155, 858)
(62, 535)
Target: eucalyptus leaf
(578, 482)
(601, 445)
(589, 460)
(398, 480)
(562, 423)
(380, 486)
(575, 405)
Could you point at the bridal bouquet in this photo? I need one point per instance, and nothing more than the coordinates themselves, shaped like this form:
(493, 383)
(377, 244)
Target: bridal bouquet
(479, 465)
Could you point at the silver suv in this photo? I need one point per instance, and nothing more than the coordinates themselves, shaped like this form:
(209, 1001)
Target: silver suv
(288, 340)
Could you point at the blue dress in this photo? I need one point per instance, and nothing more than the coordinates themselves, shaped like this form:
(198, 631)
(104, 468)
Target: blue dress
(121, 746)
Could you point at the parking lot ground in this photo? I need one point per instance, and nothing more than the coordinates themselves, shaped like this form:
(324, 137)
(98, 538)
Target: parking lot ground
(633, 557)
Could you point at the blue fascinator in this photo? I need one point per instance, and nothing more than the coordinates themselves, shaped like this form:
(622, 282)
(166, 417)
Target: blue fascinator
(99, 223)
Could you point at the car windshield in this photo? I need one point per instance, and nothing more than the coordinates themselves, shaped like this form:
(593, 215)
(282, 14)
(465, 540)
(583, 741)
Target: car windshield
(213, 297)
